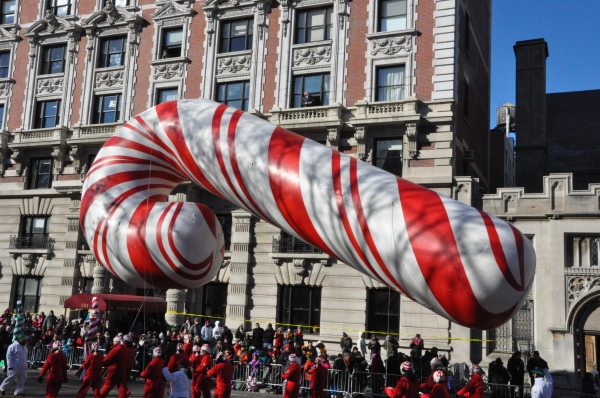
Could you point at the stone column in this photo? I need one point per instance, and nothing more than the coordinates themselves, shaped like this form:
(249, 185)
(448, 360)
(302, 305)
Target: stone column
(237, 294)
(100, 275)
(175, 304)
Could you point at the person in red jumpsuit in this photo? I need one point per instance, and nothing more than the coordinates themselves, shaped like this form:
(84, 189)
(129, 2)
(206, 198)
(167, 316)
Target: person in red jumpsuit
(474, 388)
(407, 386)
(203, 383)
(175, 358)
(195, 360)
(223, 371)
(318, 379)
(117, 371)
(188, 345)
(155, 384)
(292, 376)
(128, 357)
(93, 372)
(435, 364)
(56, 367)
(439, 390)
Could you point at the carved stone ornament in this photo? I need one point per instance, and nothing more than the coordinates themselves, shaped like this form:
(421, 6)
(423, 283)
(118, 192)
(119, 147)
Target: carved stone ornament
(109, 79)
(168, 70)
(411, 135)
(231, 65)
(312, 55)
(49, 85)
(172, 9)
(5, 87)
(58, 153)
(360, 136)
(333, 137)
(391, 45)
(16, 156)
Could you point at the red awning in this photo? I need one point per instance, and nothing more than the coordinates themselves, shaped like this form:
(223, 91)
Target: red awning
(118, 302)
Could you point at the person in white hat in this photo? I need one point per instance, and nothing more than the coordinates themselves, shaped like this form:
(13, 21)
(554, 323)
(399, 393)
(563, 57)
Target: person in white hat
(475, 386)
(203, 383)
(56, 367)
(439, 390)
(154, 387)
(435, 364)
(407, 386)
(292, 376)
(93, 372)
(175, 358)
(117, 367)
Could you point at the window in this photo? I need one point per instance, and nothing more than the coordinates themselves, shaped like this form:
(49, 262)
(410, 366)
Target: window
(107, 109)
(171, 43)
(388, 155)
(300, 305)
(317, 87)
(392, 15)
(383, 311)
(48, 114)
(214, 300)
(467, 31)
(120, 3)
(112, 52)
(236, 35)
(514, 335)
(28, 291)
(60, 8)
(466, 100)
(390, 83)
(582, 251)
(287, 243)
(53, 59)
(166, 94)
(88, 284)
(314, 25)
(234, 94)
(1, 116)
(34, 232)
(40, 174)
(7, 11)
(225, 220)
(4, 63)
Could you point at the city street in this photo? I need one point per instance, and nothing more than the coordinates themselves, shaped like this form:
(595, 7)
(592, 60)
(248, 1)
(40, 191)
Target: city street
(33, 389)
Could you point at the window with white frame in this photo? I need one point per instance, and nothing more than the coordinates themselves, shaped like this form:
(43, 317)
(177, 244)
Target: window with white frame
(107, 108)
(112, 52)
(390, 83)
(60, 8)
(314, 25)
(234, 94)
(317, 87)
(387, 155)
(171, 43)
(53, 59)
(47, 114)
(236, 35)
(4, 64)
(166, 94)
(7, 11)
(392, 15)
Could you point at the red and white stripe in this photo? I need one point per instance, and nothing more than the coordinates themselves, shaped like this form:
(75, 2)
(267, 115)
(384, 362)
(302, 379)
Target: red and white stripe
(465, 265)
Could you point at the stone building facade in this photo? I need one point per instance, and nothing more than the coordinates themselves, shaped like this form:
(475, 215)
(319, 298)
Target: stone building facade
(401, 84)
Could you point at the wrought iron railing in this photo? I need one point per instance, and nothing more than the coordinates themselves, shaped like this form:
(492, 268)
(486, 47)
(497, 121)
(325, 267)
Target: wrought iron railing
(292, 245)
(18, 242)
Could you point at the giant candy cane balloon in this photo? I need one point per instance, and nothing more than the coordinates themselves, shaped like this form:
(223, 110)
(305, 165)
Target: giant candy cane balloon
(465, 265)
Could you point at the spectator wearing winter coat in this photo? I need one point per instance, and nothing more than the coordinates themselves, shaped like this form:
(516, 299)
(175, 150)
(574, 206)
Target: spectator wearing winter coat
(417, 344)
(374, 345)
(50, 321)
(240, 333)
(535, 363)
(361, 343)
(391, 346)
(346, 343)
(516, 368)
(187, 324)
(279, 338)
(257, 336)
(268, 335)
(195, 329)
(217, 331)
(227, 334)
(207, 332)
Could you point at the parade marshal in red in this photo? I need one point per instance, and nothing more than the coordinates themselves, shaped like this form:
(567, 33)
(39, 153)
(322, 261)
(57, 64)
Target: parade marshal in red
(201, 383)
(56, 367)
(223, 371)
(319, 379)
(155, 384)
(116, 368)
(292, 375)
(93, 372)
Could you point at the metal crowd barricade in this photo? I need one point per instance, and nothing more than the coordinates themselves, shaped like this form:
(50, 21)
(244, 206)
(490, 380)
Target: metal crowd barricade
(507, 391)
(37, 355)
(76, 358)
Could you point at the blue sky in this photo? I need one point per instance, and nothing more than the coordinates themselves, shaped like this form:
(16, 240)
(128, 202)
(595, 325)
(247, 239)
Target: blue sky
(571, 28)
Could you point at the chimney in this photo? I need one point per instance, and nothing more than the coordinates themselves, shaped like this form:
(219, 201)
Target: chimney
(531, 107)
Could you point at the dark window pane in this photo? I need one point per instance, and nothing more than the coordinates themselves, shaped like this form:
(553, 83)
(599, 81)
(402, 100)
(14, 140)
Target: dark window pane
(165, 95)
(237, 44)
(214, 303)
(383, 312)
(115, 46)
(8, 11)
(234, 94)
(388, 155)
(225, 220)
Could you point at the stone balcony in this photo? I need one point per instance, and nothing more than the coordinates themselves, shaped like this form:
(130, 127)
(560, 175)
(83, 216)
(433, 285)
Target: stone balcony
(94, 134)
(387, 112)
(39, 137)
(314, 117)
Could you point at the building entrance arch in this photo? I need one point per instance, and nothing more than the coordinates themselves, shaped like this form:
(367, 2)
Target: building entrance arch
(585, 318)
